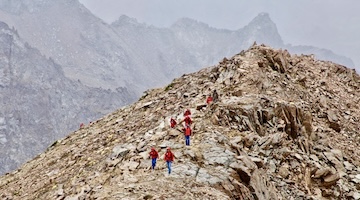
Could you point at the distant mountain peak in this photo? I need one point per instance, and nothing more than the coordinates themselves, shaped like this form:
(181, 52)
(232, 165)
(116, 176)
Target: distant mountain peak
(262, 20)
(188, 22)
(263, 16)
(261, 25)
(124, 19)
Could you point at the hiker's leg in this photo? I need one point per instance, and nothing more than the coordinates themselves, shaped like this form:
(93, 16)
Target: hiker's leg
(169, 166)
(153, 163)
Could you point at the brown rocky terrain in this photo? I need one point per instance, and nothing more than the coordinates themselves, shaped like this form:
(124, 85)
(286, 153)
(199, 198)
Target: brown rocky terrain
(283, 127)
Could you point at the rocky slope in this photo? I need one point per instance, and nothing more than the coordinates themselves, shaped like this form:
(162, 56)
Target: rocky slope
(283, 127)
(96, 61)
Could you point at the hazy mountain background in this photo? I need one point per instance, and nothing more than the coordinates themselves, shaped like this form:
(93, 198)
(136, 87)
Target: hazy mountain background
(39, 103)
(331, 25)
(62, 66)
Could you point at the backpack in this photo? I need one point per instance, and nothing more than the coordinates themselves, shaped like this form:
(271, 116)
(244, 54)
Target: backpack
(188, 131)
(187, 120)
(172, 123)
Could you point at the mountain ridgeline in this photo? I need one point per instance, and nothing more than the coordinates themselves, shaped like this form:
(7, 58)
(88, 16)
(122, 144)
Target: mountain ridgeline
(70, 67)
(283, 127)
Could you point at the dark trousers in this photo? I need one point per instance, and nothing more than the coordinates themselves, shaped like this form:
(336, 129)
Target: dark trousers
(153, 162)
(187, 140)
(169, 166)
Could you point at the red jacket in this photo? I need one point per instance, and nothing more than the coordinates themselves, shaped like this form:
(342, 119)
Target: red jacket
(209, 100)
(154, 154)
(169, 156)
(187, 120)
(188, 131)
(187, 112)
(172, 123)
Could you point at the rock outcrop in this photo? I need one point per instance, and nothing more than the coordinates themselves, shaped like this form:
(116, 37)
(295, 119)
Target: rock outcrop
(283, 127)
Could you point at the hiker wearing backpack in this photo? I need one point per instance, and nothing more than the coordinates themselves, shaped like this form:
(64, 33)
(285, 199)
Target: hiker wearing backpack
(173, 122)
(187, 134)
(153, 155)
(187, 120)
(187, 115)
(169, 158)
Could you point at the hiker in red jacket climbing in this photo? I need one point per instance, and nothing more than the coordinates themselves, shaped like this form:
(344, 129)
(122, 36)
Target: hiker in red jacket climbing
(187, 112)
(173, 122)
(187, 120)
(187, 134)
(169, 158)
(153, 155)
(209, 100)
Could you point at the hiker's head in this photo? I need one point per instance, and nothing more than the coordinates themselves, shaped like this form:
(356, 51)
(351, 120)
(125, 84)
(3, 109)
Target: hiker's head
(168, 149)
(152, 148)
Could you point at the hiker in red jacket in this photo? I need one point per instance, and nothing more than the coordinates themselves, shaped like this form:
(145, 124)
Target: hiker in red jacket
(187, 112)
(153, 155)
(173, 122)
(169, 158)
(187, 120)
(209, 100)
(187, 134)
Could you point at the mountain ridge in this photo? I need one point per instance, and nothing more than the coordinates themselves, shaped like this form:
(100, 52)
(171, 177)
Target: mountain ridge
(119, 62)
(281, 128)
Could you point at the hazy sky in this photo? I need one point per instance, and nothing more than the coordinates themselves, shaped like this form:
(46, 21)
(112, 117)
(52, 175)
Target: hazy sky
(330, 24)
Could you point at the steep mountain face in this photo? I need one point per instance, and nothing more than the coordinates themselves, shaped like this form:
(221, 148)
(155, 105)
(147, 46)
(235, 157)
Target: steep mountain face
(87, 49)
(261, 29)
(19, 7)
(161, 55)
(283, 127)
(39, 104)
(209, 44)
